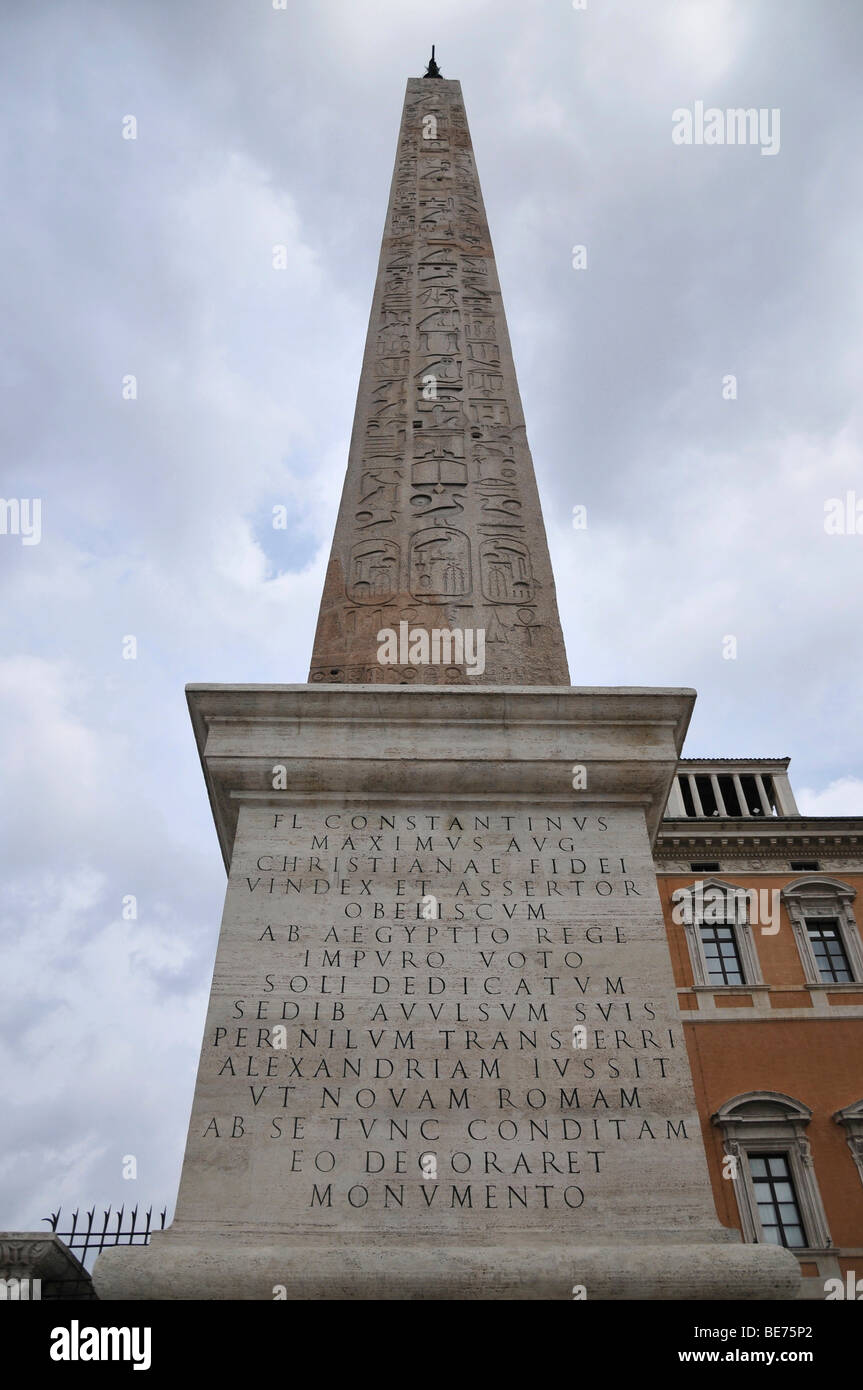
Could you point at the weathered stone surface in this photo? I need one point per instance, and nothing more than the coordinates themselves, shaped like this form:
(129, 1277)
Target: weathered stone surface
(440, 525)
(233, 1266)
(559, 1156)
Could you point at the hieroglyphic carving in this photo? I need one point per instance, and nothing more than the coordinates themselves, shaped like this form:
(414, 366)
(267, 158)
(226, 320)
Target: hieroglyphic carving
(503, 511)
(439, 331)
(443, 412)
(505, 569)
(386, 414)
(439, 443)
(437, 216)
(446, 368)
(490, 412)
(443, 295)
(484, 383)
(392, 366)
(438, 453)
(436, 170)
(440, 563)
(374, 571)
(393, 341)
(438, 482)
(475, 268)
(501, 501)
(484, 350)
(438, 267)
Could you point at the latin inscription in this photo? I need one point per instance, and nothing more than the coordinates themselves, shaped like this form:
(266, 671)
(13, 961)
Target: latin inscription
(428, 1012)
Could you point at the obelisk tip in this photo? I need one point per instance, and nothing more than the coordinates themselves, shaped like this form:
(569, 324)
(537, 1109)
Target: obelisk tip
(432, 70)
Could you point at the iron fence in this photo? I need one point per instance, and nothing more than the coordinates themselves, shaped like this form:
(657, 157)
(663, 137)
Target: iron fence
(87, 1237)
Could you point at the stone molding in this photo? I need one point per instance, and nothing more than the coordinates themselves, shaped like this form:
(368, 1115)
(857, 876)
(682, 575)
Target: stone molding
(852, 1120)
(462, 743)
(814, 898)
(763, 1122)
(214, 1267)
(37, 1255)
(752, 973)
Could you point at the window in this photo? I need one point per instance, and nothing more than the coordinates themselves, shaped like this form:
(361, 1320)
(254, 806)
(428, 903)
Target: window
(715, 915)
(822, 916)
(774, 1177)
(721, 955)
(828, 950)
(776, 1200)
(706, 868)
(799, 866)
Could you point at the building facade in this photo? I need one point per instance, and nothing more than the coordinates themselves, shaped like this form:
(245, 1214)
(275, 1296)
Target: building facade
(763, 913)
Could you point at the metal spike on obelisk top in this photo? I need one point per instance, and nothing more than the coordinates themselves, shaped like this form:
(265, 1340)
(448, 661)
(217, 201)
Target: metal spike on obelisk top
(432, 70)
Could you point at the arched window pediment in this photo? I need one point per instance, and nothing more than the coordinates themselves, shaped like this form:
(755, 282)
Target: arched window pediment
(714, 908)
(818, 887)
(760, 1106)
(820, 907)
(762, 1128)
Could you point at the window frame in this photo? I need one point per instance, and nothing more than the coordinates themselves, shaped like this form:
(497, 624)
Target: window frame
(743, 936)
(776, 1203)
(715, 928)
(810, 899)
(761, 1123)
(815, 927)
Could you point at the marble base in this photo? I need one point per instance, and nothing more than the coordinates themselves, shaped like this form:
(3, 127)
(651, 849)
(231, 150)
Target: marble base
(229, 1267)
(524, 1034)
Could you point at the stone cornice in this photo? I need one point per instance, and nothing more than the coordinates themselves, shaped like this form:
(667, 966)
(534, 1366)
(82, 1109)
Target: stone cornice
(760, 764)
(456, 744)
(769, 837)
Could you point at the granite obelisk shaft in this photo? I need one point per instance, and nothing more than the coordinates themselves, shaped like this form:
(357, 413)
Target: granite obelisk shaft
(440, 526)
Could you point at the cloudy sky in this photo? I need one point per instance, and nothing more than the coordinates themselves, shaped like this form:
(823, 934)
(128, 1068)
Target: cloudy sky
(152, 258)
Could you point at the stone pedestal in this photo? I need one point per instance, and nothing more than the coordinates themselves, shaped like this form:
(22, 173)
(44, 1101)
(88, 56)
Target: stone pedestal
(442, 1056)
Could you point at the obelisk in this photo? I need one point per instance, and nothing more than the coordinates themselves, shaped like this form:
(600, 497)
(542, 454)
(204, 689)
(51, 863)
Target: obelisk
(440, 525)
(442, 1055)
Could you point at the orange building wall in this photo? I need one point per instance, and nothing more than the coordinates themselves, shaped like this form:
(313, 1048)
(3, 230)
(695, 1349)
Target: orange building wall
(818, 1061)
(780, 959)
